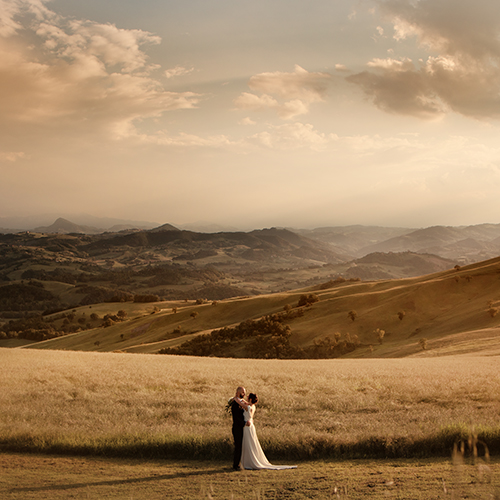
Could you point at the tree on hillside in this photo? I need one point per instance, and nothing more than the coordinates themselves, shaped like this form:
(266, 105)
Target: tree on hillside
(352, 314)
(401, 315)
(380, 335)
(146, 298)
(307, 300)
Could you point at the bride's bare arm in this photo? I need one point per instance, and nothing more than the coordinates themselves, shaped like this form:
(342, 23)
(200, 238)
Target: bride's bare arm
(242, 403)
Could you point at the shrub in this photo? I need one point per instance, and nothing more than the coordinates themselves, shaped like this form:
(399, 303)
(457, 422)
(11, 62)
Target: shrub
(380, 335)
(146, 298)
(307, 300)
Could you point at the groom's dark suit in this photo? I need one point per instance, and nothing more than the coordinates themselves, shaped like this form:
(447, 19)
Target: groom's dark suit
(238, 425)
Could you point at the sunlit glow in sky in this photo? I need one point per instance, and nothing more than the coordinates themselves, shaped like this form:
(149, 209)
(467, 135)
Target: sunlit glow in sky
(298, 113)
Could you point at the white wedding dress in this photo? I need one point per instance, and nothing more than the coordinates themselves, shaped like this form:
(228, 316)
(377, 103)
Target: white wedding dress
(252, 456)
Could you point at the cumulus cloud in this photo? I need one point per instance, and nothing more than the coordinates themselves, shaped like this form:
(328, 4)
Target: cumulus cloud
(10, 11)
(289, 94)
(462, 69)
(79, 72)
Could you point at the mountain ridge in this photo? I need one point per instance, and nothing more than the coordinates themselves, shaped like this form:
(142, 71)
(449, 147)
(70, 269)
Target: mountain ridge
(466, 244)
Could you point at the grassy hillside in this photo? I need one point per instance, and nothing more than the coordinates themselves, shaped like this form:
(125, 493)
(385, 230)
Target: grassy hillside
(437, 314)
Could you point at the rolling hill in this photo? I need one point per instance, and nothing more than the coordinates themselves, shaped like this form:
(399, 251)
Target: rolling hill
(464, 244)
(42, 272)
(448, 312)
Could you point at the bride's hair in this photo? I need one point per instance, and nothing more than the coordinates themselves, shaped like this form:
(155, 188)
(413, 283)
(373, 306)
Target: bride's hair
(253, 398)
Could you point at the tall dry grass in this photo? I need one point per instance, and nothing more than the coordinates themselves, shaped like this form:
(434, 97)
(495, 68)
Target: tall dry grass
(148, 405)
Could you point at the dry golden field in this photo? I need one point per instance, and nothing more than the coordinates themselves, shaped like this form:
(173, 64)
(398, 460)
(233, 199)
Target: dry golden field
(168, 406)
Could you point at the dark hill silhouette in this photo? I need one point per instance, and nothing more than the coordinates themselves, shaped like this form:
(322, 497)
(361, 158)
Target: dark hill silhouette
(268, 243)
(64, 226)
(164, 227)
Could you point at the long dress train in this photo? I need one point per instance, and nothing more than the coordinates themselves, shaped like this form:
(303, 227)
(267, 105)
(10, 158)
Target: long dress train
(252, 456)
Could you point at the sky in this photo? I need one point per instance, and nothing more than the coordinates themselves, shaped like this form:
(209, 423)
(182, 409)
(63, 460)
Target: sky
(288, 113)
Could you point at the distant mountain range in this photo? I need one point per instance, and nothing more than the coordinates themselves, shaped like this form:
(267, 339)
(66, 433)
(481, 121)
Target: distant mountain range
(88, 222)
(95, 225)
(464, 244)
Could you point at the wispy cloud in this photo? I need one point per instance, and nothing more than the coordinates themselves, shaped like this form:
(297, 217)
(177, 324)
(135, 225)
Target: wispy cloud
(292, 136)
(178, 71)
(462, 70)
(288, 94)
(11, 156)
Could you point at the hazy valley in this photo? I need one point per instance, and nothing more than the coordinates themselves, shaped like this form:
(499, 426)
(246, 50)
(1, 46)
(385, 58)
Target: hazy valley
(99, 291)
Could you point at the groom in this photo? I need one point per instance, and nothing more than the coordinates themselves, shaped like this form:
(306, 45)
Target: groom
(238, 425)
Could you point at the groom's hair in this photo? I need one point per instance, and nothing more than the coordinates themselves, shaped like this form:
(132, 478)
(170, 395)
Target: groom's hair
(253, 398)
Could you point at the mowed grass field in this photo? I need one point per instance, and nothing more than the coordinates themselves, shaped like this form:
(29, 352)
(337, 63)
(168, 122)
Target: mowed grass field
(48, 477)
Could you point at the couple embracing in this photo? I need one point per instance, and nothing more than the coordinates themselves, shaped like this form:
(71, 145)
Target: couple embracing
(248, 453)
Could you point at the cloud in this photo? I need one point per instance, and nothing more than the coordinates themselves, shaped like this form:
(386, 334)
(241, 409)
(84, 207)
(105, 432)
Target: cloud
(178, 71)
(292, 136)
(247, 121)
(341, 67)
(11, 156)
(251, 101)
(11, 9)
(83, 74)
(296, 92)
(462, 69)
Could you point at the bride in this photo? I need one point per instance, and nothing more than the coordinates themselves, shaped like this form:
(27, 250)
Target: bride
(252, 456)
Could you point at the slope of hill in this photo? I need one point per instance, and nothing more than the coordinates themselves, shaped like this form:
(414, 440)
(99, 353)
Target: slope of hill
(170, 264)
(467, 244)
(352, 239)
(447, 312)
(63, 226)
